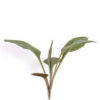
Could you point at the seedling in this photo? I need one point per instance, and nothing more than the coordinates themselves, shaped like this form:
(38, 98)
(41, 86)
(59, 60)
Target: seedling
(52, 62)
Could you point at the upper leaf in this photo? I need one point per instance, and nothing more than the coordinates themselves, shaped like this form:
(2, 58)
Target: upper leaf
(26, 45)
(49, 59)
(75, 44)
(54, 61)
(49, 54)
(40, 75)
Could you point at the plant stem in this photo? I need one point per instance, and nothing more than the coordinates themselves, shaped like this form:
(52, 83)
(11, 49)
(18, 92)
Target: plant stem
(46, 80)
(42, 66)
(47, 84)
(49, 92)
(50, 72)
(56, 69)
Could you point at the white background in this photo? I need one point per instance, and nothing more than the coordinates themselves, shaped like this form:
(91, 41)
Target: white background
(38, 22)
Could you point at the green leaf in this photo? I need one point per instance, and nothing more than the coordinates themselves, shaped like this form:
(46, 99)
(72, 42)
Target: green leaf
(54, 61)
(73, 45)
(50, 53)
(76, 43)
(49, 59)
(40, 75)
(26, 45)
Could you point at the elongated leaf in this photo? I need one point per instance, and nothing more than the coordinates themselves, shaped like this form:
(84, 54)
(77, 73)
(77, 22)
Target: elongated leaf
(26, 45)
(49, 59)
(77, 43)
(53, 61)
(40, 75)
(73, 45)
(49, 54)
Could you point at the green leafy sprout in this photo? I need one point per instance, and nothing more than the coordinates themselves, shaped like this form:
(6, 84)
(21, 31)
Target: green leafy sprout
(52, 62)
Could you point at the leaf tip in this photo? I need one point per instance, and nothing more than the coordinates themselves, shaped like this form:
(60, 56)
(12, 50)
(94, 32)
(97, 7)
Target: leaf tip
(90, 41)
(51, 41)
(5, 40)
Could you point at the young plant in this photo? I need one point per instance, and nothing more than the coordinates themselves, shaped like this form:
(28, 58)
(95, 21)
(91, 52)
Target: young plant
(52, 62)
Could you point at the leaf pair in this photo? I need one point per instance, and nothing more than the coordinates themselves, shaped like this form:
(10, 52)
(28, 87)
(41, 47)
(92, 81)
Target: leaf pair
(54, 60)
